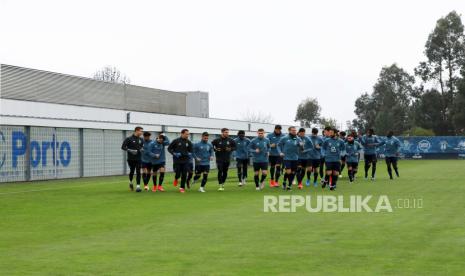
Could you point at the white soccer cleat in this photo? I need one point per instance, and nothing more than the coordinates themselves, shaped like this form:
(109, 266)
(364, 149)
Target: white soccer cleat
(257, 189)
(202, 189)
(262, 185)
(240, 184)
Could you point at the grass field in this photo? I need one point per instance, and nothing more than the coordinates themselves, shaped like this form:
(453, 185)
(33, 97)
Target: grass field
(94, 226)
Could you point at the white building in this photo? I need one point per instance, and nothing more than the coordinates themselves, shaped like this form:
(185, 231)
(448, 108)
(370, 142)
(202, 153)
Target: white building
(59, 126)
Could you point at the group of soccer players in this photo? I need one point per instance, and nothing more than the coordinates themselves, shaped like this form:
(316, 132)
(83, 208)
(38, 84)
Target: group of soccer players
(294, 155)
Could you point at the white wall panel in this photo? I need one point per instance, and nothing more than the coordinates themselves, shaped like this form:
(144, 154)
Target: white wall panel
(114, 156)
(68, 152)
(93, 152)
(12, 153)
(43, 153)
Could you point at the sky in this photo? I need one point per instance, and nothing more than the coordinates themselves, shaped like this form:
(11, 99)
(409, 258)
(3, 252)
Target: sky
(251, 56)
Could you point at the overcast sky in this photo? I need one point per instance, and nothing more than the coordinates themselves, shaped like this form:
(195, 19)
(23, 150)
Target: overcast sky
(264, 56)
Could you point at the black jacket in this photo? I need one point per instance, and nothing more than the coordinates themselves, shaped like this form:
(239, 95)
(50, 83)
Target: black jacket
(133, 143)
(183, 147)
(223, 148)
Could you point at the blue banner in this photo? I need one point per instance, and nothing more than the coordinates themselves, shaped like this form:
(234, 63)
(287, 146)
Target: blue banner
(434, 147)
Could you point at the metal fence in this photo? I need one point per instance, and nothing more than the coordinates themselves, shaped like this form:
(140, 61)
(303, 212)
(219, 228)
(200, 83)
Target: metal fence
(39, 153)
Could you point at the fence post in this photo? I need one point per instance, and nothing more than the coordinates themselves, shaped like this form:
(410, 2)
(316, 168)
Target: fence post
(81, 152)
(27, 159)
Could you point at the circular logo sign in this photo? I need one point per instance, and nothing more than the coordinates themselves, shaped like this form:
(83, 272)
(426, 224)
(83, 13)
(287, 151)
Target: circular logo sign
(424, 145)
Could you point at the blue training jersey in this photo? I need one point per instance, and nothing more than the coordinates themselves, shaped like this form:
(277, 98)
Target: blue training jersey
(333, 148)
(391, 146)
(263, 145)
(202, 152)
(353, 151)
(242, 145)
(157, 151)
(306, 148)
(317, 144)
(370, 143)
(146, 156)
(274, 141)
(290, 146)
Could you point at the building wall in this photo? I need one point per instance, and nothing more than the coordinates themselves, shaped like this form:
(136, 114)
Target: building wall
(197, 104)
(51, 114)
(42, 153)
(20, 83)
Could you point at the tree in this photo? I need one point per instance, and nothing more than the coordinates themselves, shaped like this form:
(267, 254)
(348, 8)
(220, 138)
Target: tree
(328, 122)
(445, 53)
(257, 117)
(387, 108)
(427, 112)
(308, 112)
(111, 74)
(459, 109)
(365, 111)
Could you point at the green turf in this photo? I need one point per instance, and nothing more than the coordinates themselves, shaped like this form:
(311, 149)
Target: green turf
(94, 226)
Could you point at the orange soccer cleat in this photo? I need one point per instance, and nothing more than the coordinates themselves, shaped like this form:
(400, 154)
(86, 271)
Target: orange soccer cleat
(181, 190)
(154, 189)
(160, 188)
(175, 183)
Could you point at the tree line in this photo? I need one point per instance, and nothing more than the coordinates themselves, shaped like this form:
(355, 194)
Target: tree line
(429, 102)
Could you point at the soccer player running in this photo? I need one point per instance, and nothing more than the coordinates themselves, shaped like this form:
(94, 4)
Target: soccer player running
(157, 151)
(203, 154)
(333, 148)
(190, 171)
(181, 148)
(133, 145)
(223, 147)
(146, 160)
(315, 155)
(370, 142)
(342, 136)
(391, 152)
(275, 160)
(288, 148)
(304, 164)
(260, 148)
(242, 156)
(322, 152)
(353, 149)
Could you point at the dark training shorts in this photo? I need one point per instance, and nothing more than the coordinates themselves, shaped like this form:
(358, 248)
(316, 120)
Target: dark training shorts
(202, 169)
(156, 167)
(147, 165)
(315, 163)
(275, 160)
(291, 164)
(304, 163)
(353, 165)
(333, 166)
(370, 158)
(257, 166)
